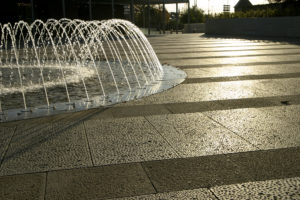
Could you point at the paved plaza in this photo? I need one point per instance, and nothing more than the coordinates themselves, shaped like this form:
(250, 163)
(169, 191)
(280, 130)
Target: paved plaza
(231, 130)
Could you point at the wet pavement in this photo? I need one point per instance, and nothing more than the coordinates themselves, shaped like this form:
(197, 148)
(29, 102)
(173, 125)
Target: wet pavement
(231, 130)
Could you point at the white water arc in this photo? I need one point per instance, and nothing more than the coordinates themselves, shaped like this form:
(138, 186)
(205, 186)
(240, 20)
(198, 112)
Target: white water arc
(45, 64)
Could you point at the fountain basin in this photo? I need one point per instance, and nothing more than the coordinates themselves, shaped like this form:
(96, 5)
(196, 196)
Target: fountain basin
(170, 78)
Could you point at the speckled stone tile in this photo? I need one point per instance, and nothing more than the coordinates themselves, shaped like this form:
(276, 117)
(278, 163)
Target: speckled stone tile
(6, 134)
(211, 48)
(289, 114)
(201, 193)
(272, 189)
(241, 70)
(45, 147)
(222, 90)
(98, 182)
(126, 140)
(194, 134)
(197, 55)
(231, 60)
(21, 187)
(288, 86)
(260, 129)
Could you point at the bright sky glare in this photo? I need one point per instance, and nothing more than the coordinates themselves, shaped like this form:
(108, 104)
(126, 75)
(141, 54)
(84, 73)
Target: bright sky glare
(214, 6)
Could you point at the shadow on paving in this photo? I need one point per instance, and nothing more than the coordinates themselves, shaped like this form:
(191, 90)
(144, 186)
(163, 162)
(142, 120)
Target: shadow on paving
(31, 133)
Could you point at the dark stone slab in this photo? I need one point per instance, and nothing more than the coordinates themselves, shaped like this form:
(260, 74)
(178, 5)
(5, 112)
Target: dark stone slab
(269, 164)
(209, 171)
(191, 173)
(142, 110)
(98, 182)
(21, 187)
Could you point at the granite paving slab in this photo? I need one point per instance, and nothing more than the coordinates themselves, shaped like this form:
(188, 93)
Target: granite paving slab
(290, 113)
(231, 60)
(98, 182)
(23, 187)
(222, 90)
(125, 140)
(196, 135)
(45, 147)
(241, 70)
(272, 189)
(260, 129)
(201, 193)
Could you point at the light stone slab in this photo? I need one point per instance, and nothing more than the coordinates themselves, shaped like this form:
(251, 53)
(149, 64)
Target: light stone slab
(125, 140)
(222, 90)
(231, 60)
(290, 114)
(272, 189)
(242, 70)
(211, 48)
(229, 54)
(45, 147)
(194, 134)
(260, 129)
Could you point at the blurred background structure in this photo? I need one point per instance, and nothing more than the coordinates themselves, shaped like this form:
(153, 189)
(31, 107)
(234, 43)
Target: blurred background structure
(29, 10)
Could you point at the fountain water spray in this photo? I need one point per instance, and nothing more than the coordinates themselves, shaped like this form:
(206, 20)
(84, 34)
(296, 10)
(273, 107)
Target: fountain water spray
(58, 63)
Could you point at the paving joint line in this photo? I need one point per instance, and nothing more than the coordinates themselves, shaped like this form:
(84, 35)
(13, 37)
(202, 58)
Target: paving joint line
(213, 193)
(232, 131)
(148, 176)
(46, 182)
(168, 109)
(88, 143)
(177, 153)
